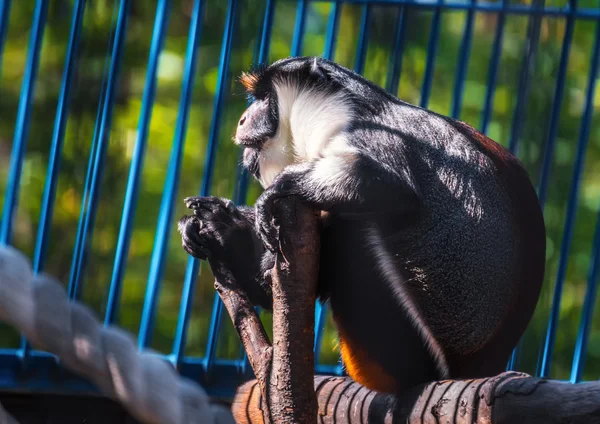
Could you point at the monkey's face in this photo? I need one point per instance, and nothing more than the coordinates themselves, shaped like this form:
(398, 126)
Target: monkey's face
(257, 124)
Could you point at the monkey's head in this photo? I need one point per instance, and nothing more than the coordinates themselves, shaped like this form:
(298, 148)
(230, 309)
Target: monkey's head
(299, 90)
(260, 121)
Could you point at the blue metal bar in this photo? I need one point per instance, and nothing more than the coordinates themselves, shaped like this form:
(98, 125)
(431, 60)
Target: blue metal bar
(463, 64)
(58, 135)
(529, 52)
(363, 38)
(332, 30)
(90, 202)
(193, 264)
(434, 37)
(543, 193)
(19, 147)
(217, 311)
(592, 282)
(262, 58)
(44, 365)
(299, 27)
(88, 215)
(185, 309)
(588, 309)
(165, 215)
(573, 194)
(135, 169)
(72, 287)
(60, 124)
(241, 192)
(267, 31)
(79, 239)
(395, 61)
(4, 14)
(330, 43)
(484, 6)
(496, 56)
(556, 108)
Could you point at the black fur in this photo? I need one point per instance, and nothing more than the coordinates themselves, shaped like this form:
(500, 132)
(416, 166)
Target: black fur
(434, 230)
(224, 235)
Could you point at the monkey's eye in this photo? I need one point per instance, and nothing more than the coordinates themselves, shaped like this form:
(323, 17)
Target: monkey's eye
(260, 95)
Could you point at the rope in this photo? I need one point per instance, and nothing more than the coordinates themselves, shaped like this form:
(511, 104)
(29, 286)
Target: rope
(146, 385)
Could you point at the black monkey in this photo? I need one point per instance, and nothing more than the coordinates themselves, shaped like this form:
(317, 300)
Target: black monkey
(434, 249)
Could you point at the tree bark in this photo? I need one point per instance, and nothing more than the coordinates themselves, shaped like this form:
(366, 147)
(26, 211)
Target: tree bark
(292, 397)
(285, 370)
(509, 398)
(250, 330)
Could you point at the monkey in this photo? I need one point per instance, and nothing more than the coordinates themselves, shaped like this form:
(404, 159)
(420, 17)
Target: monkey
(433, 251)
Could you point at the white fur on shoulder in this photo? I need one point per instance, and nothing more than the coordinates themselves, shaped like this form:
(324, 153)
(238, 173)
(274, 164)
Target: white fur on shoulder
(308, 123)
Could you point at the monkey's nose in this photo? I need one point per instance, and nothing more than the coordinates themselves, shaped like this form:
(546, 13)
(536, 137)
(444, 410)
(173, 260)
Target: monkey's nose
(242, 120)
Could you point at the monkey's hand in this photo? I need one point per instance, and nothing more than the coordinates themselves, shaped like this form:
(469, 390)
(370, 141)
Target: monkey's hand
(266, 225)
(224, 235)
(209, 233)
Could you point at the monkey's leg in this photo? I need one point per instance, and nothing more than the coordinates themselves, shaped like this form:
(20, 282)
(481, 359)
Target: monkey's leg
(225, 235)
(351, 185)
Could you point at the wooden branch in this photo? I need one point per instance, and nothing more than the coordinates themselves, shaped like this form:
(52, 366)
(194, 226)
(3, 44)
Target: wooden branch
(284, 372)
(292, 397)
(250, 330)
(510, 397)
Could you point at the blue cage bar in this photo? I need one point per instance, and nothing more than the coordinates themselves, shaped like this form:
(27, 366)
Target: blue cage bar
(220, 376)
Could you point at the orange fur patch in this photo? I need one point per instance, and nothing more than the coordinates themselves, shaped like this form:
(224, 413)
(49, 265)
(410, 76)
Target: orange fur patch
(249, 81)
(365, 371)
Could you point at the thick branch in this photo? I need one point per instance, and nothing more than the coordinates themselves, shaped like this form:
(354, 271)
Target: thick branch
(284, 372)
(507, 398)
(292, 398)
(250, 329)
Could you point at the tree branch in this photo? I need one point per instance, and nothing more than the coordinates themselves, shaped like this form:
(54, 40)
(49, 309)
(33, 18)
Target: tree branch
(507, 398)
(284, 371)
(292, 397)
(250, 330)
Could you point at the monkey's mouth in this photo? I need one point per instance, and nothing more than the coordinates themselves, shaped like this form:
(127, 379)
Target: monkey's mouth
(251, 142)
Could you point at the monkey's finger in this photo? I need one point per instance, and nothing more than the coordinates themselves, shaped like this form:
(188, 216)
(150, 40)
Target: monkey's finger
(195, 250)
(271, 239)
(268, 234)
(264, 220)
(215, 209)
(188, 224)
(190, 227)
(196, 201)
(191, 202)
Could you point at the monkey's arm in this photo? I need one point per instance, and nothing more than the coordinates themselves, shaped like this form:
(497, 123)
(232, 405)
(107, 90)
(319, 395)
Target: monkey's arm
(348, 184)
(225, 235)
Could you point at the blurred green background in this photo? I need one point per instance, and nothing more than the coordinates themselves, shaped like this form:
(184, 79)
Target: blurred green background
(87, 83)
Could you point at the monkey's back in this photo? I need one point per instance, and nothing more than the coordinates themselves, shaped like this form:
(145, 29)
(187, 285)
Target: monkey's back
(474, 258)
(470, 262)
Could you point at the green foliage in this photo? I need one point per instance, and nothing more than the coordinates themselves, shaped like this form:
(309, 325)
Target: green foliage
(86, 90)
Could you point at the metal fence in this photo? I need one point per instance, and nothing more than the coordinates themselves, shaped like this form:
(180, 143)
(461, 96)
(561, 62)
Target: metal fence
(24, 368)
